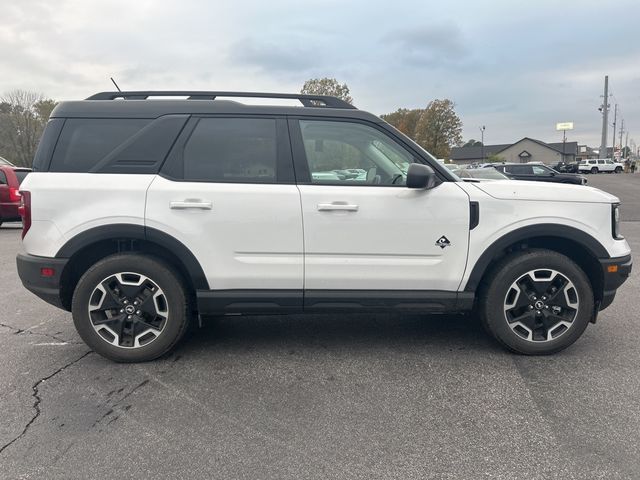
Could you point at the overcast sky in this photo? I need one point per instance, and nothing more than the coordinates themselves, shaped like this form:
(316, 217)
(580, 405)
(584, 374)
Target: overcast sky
(516, 67)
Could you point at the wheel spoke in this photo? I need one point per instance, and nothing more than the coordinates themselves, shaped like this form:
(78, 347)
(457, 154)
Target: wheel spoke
(526, 317)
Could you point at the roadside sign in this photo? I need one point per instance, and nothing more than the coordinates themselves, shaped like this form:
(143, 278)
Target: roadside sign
(564, 126)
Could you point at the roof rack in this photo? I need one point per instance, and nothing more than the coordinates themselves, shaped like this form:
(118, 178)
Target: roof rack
(306, 100)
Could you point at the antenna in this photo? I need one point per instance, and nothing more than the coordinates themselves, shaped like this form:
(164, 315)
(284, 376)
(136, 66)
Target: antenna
(114, 82)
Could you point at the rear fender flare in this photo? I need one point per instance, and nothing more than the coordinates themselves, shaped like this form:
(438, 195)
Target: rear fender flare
(138, 232)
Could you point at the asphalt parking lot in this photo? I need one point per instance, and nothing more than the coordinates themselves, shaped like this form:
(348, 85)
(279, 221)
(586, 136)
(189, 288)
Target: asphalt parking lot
(365, 396)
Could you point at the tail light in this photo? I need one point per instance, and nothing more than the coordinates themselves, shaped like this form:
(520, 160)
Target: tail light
(25, 211)
(14, 195)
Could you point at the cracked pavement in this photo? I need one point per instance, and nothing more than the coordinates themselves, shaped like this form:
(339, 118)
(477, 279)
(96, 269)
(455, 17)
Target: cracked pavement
(361, 396)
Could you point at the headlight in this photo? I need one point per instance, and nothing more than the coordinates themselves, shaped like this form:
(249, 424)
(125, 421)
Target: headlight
(615, 221)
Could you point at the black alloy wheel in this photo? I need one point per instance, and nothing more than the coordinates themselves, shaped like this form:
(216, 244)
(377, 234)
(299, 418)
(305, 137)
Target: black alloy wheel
(131, 307)
(536, 302)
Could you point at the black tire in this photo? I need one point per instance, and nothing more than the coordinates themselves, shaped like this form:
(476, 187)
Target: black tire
(495, 292)
(171, 323)
(618, 170)
(594, 169)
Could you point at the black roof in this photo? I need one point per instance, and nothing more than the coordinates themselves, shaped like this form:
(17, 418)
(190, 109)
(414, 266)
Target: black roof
(469, 153)
(137, 105)
(570, 148)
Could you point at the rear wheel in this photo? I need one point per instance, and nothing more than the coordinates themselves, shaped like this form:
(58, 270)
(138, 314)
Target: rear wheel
(130, 308)
(536, 302)
(594, 169)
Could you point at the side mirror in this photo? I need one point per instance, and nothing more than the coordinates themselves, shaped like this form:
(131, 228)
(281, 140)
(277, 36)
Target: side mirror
(420, 176)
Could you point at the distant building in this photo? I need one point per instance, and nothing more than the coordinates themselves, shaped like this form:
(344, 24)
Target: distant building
(525, 150)
(586, 152)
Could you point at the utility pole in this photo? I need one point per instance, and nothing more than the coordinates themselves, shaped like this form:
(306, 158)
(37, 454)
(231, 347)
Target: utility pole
(621, 132)
(605, 123)
(615, 118)
(482, 141)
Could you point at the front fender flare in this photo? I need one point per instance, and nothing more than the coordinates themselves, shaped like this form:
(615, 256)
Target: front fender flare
(593, 246)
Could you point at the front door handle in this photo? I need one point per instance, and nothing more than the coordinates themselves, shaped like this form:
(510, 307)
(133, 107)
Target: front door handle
(191, 204)
(343, 207)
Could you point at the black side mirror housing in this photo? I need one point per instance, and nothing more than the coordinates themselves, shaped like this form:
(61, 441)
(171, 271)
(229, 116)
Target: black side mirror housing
(420, 176)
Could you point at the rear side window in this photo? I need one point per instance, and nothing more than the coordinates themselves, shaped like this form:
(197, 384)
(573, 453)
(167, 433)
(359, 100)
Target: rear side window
(238, 150)
(84, 142)
(3, 178)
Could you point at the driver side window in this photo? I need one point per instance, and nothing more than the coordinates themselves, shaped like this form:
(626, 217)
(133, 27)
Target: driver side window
(346, 153)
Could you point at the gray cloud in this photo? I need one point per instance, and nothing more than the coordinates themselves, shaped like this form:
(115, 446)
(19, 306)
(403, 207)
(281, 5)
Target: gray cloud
(274, 56)
(516, 67)
(429, 45)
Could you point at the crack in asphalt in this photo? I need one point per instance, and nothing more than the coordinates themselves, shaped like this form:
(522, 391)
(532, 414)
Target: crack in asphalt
(18, 331)
(37, 400)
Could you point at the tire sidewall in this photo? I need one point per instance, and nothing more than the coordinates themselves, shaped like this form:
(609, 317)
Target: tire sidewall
(513, 268)
(156, 271)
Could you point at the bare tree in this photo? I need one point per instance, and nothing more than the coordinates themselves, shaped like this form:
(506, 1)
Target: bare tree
(23, 115)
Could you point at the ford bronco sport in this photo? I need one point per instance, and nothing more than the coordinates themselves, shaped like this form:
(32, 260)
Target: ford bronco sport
(142, 213)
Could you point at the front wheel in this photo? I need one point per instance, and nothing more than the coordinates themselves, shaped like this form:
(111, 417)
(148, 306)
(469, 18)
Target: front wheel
(618, 170)
(536, 302)
(130, 308)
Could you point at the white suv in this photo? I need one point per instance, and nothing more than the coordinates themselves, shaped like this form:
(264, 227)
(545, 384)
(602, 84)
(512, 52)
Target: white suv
(600, 165)
(142, 214)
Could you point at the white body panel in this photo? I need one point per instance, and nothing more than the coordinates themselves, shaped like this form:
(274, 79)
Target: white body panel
(389, 243)
(251, 238)
(508, 205)
(66, 204)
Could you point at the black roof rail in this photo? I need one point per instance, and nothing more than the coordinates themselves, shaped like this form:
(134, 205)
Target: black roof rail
(306, 100)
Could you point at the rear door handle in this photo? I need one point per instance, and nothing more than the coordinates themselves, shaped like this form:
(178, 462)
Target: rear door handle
(344, 207)
(191, 204)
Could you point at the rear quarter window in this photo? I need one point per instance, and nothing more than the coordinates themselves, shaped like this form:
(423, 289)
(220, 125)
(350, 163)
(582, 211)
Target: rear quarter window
(84, 142)
(3, 178)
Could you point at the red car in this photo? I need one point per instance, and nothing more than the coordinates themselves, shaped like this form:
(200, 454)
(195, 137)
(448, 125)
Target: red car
(10, 180)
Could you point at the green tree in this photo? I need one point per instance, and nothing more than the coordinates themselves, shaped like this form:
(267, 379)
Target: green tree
(23, 115)
(327, 86)
(405, 120)
(439, 128)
